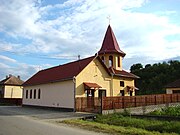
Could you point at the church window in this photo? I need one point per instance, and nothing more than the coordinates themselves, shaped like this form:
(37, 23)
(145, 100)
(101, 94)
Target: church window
(102, 58)
(122, 83)
(34, 93)
(26, 94)
(39, 93)
(30, 94)
(110, 61)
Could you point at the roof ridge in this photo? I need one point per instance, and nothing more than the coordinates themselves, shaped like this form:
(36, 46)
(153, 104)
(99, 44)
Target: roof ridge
(66, 63)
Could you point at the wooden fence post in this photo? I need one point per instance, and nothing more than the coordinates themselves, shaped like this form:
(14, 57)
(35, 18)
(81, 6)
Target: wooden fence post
(155, 100)
(123, 102)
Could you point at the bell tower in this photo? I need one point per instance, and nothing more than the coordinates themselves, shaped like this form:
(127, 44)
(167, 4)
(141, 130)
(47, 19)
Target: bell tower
(110, 52)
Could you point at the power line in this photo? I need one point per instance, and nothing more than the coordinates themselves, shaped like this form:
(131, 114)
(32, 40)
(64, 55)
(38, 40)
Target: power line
(35, 55)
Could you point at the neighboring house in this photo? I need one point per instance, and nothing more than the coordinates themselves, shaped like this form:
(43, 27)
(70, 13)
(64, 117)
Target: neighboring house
(95, 76)
(11, 87)
(173, 87)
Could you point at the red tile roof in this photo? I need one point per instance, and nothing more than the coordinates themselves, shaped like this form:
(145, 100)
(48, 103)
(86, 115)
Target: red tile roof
(110, 44)
(122, 73)
(175, 84)
(92, 85)
(59, 73)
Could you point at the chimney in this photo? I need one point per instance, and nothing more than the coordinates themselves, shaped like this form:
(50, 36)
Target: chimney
(18, 77)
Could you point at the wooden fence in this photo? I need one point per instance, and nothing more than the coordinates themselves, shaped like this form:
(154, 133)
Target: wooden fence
(11, 101)
(84, 104)
(109, 103)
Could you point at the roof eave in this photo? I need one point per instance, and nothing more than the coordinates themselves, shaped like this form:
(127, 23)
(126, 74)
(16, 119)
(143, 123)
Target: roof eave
(54, 81)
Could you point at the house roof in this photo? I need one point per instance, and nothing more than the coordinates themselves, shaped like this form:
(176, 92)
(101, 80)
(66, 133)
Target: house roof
(110, 44)
(59, 73)
(175, 84)
(122, 73)
(12, 80)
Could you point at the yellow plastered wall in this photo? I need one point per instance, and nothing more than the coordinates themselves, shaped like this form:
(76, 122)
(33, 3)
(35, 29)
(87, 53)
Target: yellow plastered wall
(94, 72)
(13, 91)
(117, 87)
(170, 90)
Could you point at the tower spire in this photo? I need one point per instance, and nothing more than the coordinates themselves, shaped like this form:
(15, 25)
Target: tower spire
(110, 44)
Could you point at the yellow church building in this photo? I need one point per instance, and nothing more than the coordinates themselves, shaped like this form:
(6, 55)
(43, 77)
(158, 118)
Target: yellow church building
(95, 76)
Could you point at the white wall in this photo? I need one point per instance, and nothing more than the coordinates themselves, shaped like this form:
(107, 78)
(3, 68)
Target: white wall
(60, 94)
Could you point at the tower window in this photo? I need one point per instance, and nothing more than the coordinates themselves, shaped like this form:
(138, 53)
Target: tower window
(110, 61)
(118, 61)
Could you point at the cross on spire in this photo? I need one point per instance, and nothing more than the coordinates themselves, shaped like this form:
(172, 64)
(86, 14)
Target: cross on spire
(109, 18)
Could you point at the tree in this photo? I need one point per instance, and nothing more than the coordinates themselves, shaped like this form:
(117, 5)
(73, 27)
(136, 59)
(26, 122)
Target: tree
(137, 66)
(153, 78)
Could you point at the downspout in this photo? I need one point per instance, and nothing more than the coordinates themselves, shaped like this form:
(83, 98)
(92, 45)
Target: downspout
(112, 76)
(74, 81)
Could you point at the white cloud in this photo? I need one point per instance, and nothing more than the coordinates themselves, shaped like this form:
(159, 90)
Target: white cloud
(7, 59)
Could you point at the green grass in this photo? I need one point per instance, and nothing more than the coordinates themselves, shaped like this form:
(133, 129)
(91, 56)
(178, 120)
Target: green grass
(119, 124)
(147, 124)
(169, 111)
(112, 129)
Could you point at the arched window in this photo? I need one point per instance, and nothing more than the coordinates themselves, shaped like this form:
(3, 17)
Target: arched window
(39, 93)
(110, 61)
(118, 61)
(102, 58)
(34, 93)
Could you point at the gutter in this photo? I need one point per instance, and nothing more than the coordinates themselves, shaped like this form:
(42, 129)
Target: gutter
(112, 85)
(60, 80)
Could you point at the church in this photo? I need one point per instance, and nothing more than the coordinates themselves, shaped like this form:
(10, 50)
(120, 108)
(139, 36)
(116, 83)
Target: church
(96, 76)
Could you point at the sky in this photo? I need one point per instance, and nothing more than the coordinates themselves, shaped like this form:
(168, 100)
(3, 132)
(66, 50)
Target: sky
(38, 34)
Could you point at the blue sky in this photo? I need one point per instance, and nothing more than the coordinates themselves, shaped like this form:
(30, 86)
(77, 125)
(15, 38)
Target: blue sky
(37, 34)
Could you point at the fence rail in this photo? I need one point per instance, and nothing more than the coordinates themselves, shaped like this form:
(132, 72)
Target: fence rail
(109, 103)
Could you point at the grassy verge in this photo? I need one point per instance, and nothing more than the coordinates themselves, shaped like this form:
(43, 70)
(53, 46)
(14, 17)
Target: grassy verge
(112, 129)
(147, 124)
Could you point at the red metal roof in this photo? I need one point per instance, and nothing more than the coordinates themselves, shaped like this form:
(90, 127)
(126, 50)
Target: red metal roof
(110, 44)
(92, 85)
(59, 73)
(122, 73)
